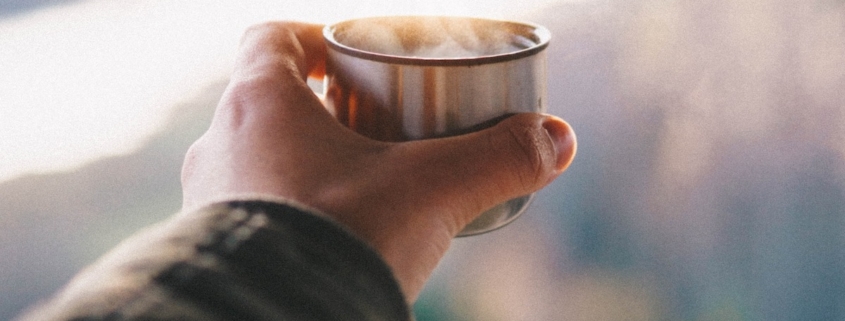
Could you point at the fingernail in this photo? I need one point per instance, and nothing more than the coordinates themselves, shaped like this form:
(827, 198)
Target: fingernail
(564, 139)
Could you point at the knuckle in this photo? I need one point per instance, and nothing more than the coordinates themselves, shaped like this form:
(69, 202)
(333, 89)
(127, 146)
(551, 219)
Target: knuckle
(196, 161)
(190, 163)
(270, 44)
(267, 27)
(532, 154)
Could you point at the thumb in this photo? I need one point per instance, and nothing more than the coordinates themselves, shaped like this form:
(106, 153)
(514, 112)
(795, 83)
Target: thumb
(517, 156)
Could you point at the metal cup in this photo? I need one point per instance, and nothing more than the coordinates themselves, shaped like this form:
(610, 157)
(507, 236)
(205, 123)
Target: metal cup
(408, 78)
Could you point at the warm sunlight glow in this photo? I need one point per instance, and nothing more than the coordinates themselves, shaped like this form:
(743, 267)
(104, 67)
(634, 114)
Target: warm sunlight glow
(95, 78)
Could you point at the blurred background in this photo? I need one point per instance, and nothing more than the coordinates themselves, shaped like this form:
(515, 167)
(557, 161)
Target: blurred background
(709, 182)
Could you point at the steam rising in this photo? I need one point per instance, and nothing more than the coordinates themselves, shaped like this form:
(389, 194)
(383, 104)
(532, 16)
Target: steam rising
(432, 37)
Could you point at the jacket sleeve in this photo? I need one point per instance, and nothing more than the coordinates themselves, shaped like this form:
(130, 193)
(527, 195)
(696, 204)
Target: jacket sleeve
(250, 260)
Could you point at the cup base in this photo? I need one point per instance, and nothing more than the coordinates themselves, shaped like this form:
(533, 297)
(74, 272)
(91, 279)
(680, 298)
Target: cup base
(498, 216)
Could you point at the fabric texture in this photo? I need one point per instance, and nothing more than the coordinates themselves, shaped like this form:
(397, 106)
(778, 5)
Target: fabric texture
(250, 260)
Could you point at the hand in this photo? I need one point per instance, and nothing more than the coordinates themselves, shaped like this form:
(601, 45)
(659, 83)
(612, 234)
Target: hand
(271, 135)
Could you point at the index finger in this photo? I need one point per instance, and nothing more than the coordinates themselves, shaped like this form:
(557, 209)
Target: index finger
(268, 85)
(282, 47)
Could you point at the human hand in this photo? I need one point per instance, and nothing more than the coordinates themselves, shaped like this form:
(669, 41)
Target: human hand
(271, 135)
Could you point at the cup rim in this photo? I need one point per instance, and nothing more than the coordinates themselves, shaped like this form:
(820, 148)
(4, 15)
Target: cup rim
(537, 34)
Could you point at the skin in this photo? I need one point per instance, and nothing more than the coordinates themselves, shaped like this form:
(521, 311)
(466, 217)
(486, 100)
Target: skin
(271, 135)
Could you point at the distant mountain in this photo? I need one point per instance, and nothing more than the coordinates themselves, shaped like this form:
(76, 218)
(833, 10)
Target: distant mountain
(13, 7)
(74, 217)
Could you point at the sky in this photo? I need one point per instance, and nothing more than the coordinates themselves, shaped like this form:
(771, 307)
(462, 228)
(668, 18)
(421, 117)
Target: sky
(84, 80)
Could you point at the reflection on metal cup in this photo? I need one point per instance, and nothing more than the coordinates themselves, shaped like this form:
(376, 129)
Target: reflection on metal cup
(408, 78)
